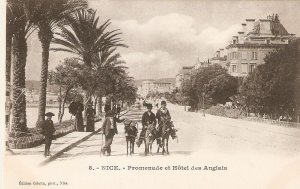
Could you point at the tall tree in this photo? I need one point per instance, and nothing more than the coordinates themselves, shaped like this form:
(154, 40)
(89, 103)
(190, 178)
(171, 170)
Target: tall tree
(222, 87)
(272, 87)
(19, 29)
(66, 76)
(47, 15)
(86, 39)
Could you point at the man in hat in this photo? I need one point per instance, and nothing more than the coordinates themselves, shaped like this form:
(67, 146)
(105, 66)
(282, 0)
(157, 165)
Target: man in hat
(90, 115)
(48, 131)
(109, 128)
(148, 119)
(163, 117)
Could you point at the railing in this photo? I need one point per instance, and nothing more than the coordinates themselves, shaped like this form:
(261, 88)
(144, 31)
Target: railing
(273, 122)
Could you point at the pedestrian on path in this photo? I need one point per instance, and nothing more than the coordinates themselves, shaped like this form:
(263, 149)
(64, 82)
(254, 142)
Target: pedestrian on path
(90, 115)
(48, 131)
(109, 128)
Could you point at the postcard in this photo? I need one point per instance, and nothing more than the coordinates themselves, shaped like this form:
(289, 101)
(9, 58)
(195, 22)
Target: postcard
(150, 94)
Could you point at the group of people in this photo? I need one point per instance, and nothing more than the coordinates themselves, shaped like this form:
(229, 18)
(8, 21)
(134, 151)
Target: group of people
(109, 126)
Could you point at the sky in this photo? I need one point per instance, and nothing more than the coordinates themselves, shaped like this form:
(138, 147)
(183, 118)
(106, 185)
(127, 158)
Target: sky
(164, 35)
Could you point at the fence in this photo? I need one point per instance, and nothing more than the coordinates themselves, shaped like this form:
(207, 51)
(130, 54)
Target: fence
(273, 122)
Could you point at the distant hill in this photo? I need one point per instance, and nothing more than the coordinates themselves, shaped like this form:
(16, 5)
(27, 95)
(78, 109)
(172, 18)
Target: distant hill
(35, 86)
(162, 80)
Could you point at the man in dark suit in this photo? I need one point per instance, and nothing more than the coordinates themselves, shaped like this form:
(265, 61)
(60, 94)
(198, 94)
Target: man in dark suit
(48, 131)
(90, 116)
(109, 128)
(147, 119)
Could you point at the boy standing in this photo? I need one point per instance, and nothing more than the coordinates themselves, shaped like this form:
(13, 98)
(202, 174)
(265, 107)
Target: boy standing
(48, 131)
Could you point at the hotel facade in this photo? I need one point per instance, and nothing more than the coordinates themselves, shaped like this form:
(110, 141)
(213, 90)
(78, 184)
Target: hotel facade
(257, 38)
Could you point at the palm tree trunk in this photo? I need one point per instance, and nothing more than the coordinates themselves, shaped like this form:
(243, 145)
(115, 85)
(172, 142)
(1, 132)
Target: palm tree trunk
(8, 78)
(45, 39)
(19, 54)
(8, 56)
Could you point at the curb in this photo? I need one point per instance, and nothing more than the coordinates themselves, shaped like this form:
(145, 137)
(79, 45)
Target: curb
(59, 153)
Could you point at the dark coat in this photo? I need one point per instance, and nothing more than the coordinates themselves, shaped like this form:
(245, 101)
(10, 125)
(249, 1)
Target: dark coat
(146, 119)
(48, 128)
(90, 113)
(163, 115)
(109, 125)
(107, 107)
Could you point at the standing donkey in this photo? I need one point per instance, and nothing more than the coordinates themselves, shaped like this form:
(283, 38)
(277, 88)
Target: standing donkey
(151, 135)
(131, 131)
(166, 131)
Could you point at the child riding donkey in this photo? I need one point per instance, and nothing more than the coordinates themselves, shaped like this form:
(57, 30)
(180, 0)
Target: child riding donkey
(165, 127)
(148, 131)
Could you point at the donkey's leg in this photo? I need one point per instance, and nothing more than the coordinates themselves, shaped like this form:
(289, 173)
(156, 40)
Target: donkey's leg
(146, 146)
(167, 144)
(133, 140)
(130, 146)
(127, 145)
(163, 145)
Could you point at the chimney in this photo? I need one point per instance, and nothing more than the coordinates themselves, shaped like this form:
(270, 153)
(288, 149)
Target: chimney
(234, 39)
(222, 53)
(241, 37)
(244, 28)
(250, 25)
(217, 54)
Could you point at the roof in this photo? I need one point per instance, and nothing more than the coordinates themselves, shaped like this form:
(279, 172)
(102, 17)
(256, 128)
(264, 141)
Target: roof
(259, 45)
(275, 26)
(219, 58)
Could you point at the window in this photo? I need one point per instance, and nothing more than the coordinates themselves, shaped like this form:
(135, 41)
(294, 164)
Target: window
(234, 55)
(254, 55)
(233, 68)
(244, 68)
(252, 67)
(244, 55)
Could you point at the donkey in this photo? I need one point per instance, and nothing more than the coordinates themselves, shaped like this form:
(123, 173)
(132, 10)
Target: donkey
(131, 131)
(167, 130)
(150, 136)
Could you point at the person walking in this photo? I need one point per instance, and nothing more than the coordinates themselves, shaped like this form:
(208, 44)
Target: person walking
(109, 128)
(90, 115)
(78, 116)
(48, 131)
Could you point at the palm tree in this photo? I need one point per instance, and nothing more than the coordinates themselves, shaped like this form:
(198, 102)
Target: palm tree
(47, 15)
(18, 31)
(84, 38)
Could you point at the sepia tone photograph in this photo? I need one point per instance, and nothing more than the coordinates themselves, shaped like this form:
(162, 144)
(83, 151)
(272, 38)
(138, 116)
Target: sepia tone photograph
(150, 94)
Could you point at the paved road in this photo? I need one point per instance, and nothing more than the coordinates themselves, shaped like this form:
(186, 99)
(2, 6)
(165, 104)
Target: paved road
(255, 155)
(206, 135)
